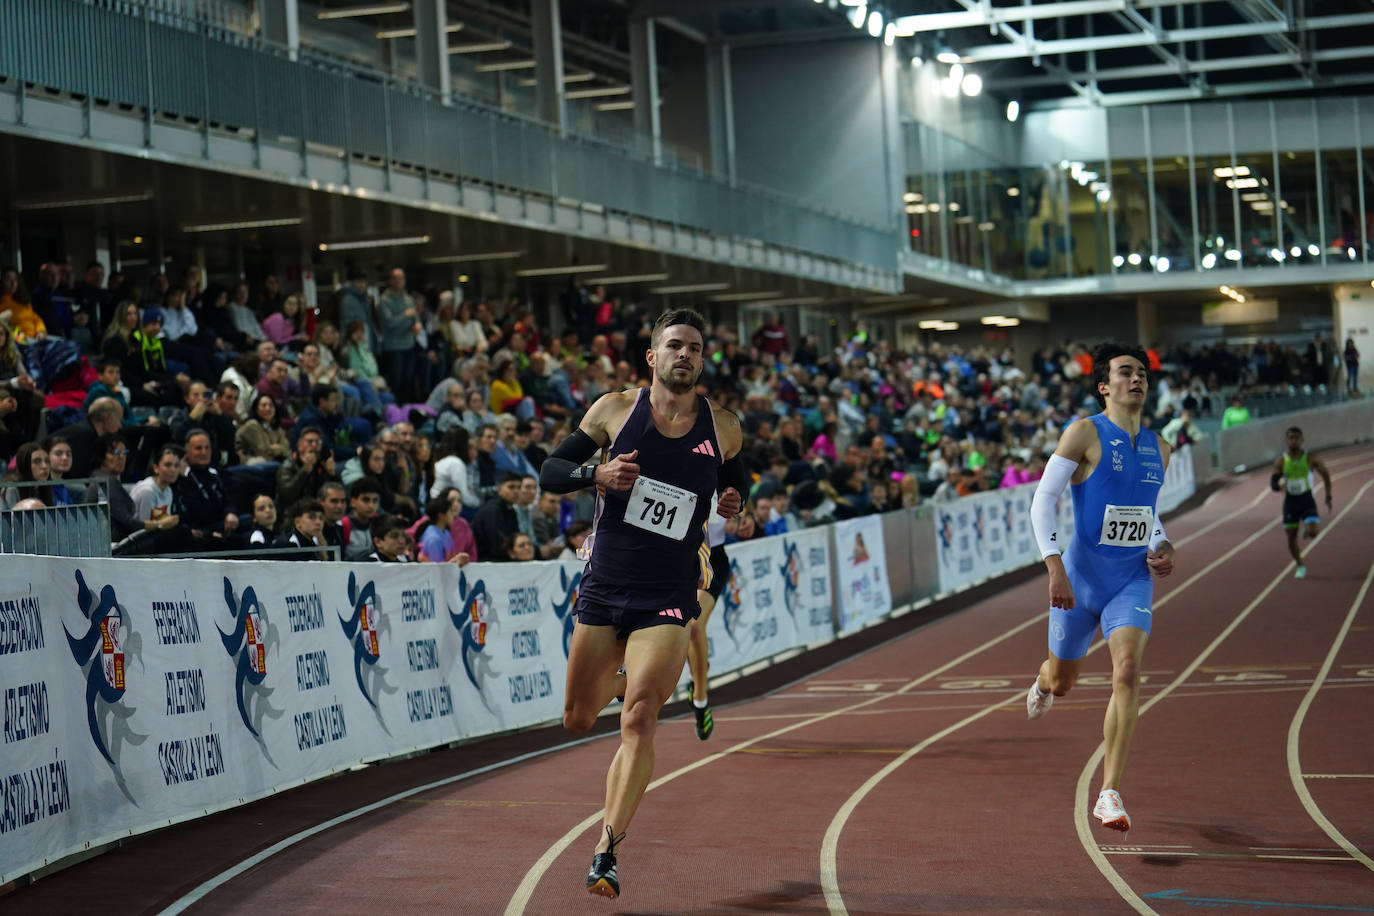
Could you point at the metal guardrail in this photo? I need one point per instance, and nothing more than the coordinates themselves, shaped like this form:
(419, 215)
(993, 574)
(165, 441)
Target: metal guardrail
(263, 553)
(129, 54)
(79, 530)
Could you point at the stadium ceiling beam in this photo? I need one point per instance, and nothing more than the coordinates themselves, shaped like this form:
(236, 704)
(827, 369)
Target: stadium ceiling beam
(1265, 10)
(980, 15)
(1084, 90)
(1023, 48)
(793, 36)
(1150, 71)
(1186, 93)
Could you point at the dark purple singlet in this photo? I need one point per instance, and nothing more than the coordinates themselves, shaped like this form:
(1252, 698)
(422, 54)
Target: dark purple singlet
(637, 570)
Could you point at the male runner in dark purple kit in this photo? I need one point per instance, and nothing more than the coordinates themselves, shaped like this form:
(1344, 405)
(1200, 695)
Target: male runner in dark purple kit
(665, 450)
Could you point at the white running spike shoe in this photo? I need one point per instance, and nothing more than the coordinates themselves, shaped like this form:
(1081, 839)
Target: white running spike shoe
(1301, 572)
(1037, 703)
(1111, 812)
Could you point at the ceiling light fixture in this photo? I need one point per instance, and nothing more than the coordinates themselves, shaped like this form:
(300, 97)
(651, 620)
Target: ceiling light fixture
(747, 297)
(476, 256)
(503, 65)
(1013, 110)
(616, 106)
(58, 203)
(242, 224)
(478, 47)
(688, 288)
(410, 31)
(972, 85)
(627, 278)
(374, 243)
(597, 93)
(560, 270)
(875, 23)
(372, 9)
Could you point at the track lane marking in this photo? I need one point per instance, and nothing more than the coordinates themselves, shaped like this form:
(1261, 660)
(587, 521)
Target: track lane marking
(830, 845)
(1082, 816)
(1295, 773)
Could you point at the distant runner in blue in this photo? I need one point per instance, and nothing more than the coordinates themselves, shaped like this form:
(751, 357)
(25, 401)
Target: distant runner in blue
(1102, 581)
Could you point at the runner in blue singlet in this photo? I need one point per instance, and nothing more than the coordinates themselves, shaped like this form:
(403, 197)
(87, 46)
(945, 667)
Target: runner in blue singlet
(1102, 581)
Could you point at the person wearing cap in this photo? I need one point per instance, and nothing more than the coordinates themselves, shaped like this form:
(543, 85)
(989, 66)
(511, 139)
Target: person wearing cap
(146, 367)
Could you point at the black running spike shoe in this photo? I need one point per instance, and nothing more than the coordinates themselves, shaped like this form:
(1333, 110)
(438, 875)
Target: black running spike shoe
(705, 724)
(602, 880)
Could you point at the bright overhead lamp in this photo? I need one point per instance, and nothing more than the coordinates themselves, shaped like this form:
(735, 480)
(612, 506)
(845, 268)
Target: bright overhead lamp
(937, 324)
(1233, 254)
(889, 34)
(1013, 192)
(476, 256)
(627, 278)
(374, 243)
(599, 92)
(58, 203)
(409, 32)
(1278, 255)
(972, 85)
(1134, 259)
(1236, 184)
(1313, 250)
(948, 57)
(616, 106)
(858, 15)
(1209, 260)
(503, 65)
(875, 23)
(1118, 260)
(798, 300)
(478, 47)
(242, 224)
(688, 288)
(1254, 196)
(1162, 264)
(559, 271)
(911, 197)
(747, 297)
(1295, 251)
(993, 319)
(1226, 171)
(370, 9)
(1013, 110)
(586, 77)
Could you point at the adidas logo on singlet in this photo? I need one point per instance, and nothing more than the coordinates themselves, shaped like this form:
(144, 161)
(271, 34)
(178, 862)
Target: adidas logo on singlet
(705, 448)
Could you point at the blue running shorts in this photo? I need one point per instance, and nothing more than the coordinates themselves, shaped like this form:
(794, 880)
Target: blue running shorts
(1072, 631)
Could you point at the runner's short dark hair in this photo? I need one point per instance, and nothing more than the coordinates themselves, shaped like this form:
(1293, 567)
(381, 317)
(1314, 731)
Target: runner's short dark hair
(675, 317)
(1102, 363)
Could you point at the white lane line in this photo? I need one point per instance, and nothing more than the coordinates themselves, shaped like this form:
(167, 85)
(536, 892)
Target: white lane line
(830, 844)
(1295, 774)
(1338, 775)
(521, 897)
(1081, 814)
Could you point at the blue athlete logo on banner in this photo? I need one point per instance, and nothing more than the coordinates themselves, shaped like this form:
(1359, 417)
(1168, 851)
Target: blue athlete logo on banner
(945, 529)
(471, 624)
(791, 570)
(362, 628)
(106, 645)
(248, 643)
(732, 602)
(1008, 517)
(978, 529)
(564, 609)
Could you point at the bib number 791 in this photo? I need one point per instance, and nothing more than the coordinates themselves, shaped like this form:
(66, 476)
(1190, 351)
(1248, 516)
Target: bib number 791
(660, 507)
(659, 511)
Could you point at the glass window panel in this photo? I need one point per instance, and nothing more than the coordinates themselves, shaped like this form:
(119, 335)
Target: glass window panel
(1043, 193)
(1090, 207)
(1173, 215)
(1340, 180)
(1298, 190)
(1130, 193)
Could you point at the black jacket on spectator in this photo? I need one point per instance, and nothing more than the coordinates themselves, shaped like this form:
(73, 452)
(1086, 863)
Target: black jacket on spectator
(494, 522)
(220, 428)
(204, 499)
(294, 482)
(86, 448)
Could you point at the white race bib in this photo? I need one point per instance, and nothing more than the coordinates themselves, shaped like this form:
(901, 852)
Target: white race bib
(660, 507)
(1126, 526)
(1297, 485)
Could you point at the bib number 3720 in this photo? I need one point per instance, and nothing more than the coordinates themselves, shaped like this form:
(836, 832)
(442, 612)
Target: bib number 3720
(1126, 526)
(660, 507)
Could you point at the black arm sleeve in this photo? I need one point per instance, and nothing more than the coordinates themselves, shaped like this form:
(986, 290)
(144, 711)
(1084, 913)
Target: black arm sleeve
(564, 470)
(733, 474)
(1274, 482)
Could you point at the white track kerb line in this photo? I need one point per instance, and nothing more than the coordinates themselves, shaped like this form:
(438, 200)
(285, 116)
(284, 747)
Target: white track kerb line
(1081, 815)
(1295, 729)
(830, 845)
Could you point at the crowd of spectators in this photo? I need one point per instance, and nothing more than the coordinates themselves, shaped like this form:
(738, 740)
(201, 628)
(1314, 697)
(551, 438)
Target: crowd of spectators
(398, 425)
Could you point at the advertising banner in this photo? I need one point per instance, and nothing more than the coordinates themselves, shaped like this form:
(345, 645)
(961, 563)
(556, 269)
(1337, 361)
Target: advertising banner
(863, 593)
(142, 692)
(988, 534)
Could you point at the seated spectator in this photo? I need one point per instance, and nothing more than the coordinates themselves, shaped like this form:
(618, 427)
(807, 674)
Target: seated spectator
(123, 514)
(497, 520)
(245, 323)
(260, 439)
(306, 530)
(334, 497)
(509, 455)
(370, 461)
(264, 530)
(436, 543)
(451, 469)
(1181, 430)
(450, 415)
(285, 326)
(59, 466)
(476, 415)
(24, 419)
(344, 434)
(389, 540)
(204, 498)
(30, 465)
(364, 502)
(202, 410)
(507, 396)
(358, 357)
(573, 539)
(156, 504)
(307, 468)
(517, 548)
(16, 308)
(544, 519)
(284, 386)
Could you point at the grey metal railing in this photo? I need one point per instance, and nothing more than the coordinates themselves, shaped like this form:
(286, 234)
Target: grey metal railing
(78, 530)
(131, 54)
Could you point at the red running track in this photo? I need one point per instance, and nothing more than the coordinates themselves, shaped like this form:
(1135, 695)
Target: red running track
(908, 780)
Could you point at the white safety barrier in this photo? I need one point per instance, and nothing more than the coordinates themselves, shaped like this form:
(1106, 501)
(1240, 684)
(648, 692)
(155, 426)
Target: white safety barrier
(140, 693)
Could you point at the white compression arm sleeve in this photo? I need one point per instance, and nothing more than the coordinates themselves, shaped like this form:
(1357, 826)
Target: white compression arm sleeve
(1045, 504)
(1157, 536)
